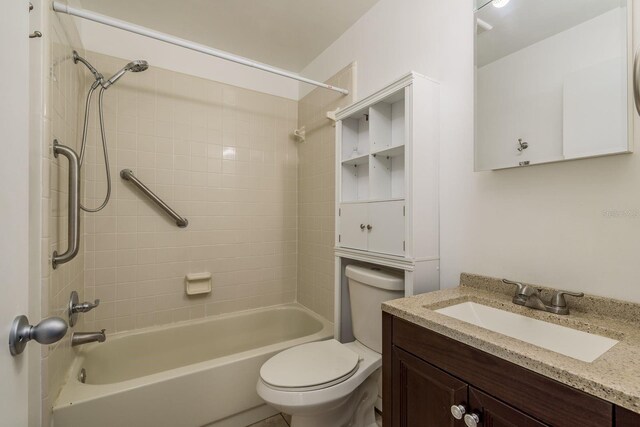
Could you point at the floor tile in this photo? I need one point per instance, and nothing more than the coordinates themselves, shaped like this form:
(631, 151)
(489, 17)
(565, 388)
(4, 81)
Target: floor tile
(275, 421)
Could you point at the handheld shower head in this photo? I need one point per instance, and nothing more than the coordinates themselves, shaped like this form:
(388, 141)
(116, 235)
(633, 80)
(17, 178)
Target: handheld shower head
(137, 66)
(133, 66)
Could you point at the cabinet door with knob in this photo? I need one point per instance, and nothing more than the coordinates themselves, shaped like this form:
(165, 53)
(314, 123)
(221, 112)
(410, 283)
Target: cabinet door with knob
(424, 395)
(374, 227)
(386, 235)
(486, 411)
(354, 218)
(433, 380)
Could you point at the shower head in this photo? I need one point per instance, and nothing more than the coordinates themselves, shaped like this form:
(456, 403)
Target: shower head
(138, 65)
(133, 66)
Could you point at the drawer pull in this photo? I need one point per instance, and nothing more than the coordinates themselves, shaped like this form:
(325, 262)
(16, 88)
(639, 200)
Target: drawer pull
(458, 411)
(472, 420)
(369, 227)
(362, 226)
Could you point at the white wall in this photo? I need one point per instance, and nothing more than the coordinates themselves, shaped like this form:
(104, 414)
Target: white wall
(574, 225)
(114, 42)
(531, 83)
(14, 208)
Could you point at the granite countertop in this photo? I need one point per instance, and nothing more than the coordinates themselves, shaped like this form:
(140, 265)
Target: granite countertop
(614, 376)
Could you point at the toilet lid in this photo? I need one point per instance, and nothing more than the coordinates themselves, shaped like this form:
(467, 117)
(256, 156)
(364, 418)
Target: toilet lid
(310, 366)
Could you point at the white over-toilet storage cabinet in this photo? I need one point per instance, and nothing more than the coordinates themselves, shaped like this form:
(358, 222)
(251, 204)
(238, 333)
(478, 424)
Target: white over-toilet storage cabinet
(387, 149)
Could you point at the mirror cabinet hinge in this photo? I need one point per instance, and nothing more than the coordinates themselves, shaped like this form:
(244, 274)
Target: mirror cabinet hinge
(339, 238)
(404, 248)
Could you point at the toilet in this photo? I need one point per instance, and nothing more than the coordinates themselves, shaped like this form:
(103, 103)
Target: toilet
(328, 383)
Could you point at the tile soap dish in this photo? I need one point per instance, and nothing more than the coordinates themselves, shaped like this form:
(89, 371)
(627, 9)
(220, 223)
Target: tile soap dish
(197, 283)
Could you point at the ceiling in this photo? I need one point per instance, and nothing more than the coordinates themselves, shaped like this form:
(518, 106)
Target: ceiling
(284, 33)
(522, 23)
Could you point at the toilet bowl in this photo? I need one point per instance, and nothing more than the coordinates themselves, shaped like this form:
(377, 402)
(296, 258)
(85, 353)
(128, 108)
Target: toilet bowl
(335, 401)
(328, 383)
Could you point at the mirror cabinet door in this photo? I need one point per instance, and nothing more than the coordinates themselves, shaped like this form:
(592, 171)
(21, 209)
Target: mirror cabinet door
(553, 81)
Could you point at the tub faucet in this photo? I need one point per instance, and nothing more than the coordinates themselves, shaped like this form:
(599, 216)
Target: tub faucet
(79, 338)
(529, 296)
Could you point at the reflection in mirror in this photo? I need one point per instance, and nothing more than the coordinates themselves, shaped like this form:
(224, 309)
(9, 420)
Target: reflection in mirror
(551, 81)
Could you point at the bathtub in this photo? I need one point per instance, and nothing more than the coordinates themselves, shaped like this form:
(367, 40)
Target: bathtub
(189, 374)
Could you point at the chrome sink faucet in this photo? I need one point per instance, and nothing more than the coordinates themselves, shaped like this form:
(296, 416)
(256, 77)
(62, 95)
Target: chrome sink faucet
(529, 296)
(79, 338)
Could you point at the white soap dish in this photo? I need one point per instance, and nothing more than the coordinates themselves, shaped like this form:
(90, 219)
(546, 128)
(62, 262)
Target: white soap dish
(197, 283)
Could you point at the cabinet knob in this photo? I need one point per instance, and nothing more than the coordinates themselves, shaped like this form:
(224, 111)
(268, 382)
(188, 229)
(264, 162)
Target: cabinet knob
(472, 420)
(369, 227)
(458, 411)
(362, 226)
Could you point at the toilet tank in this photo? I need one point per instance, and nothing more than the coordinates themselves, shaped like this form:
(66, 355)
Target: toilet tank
(369, 287)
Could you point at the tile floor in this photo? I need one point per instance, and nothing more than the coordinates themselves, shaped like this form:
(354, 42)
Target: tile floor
(275, 421)
(283, 420)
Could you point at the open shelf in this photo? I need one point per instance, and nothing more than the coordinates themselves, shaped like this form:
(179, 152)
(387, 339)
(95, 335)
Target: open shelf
(387, 124)
(390, 152)
(354, 161)
(355, 137)
(373, 151)
(348, 202)
(355, 182)
(387, 176)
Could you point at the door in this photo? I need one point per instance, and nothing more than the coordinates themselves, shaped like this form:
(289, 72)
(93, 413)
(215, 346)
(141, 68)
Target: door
(423, 394)
(353, 226)
(14, 205)
(386, 234)
(494, 413)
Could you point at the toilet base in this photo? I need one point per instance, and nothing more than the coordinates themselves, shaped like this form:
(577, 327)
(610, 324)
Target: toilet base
(355, 410)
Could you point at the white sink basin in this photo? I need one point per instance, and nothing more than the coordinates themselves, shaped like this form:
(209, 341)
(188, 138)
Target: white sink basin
(570, 342)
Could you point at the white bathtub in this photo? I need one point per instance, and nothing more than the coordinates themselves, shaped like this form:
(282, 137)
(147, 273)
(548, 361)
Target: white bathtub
(188, 374)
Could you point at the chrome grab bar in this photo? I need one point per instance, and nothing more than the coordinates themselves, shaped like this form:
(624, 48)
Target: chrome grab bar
(636, 77)
(74, 205)
(127, 175)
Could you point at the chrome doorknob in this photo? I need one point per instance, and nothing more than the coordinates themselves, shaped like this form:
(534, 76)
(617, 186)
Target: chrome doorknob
(458, 411)
(48, 331)
(472, 420)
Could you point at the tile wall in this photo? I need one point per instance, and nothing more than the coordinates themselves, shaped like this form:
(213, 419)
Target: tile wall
(63, 86)
(219, 155)
(316, 195)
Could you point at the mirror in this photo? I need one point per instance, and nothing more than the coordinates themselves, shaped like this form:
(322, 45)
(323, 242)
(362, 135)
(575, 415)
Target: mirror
(552, 81)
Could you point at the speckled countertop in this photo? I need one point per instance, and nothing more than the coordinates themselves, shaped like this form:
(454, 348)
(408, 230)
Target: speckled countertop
(614, 376)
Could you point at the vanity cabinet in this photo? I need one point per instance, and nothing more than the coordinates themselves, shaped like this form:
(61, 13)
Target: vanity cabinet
(425, 374)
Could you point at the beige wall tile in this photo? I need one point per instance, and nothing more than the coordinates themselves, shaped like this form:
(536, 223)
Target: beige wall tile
(316, 196)
(63, 88)
(219, 155)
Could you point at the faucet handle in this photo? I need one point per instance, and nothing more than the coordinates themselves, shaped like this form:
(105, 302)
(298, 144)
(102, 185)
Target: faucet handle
(86, 306)
(519, 286)
(75, 307)
(523, 292)
(558, 300)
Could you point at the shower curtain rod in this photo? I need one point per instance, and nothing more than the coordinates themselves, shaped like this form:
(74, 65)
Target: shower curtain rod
(147, 32)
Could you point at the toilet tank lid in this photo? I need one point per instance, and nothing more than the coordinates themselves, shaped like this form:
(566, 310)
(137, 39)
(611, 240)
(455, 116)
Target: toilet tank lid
(377, 277)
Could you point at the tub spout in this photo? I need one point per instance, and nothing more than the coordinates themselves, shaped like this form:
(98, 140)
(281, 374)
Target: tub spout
(79, 338)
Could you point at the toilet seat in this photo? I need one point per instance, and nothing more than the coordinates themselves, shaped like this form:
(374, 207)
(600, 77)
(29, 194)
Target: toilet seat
(309, 367)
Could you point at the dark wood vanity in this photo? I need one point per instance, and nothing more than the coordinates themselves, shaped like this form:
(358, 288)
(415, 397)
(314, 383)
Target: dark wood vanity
(425, 374)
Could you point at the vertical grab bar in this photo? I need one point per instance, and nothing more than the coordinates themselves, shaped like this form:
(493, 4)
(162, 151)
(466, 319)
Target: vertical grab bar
(635, 78)
(74, 205)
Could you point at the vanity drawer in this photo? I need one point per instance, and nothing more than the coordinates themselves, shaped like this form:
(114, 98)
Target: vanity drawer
(535, 395)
